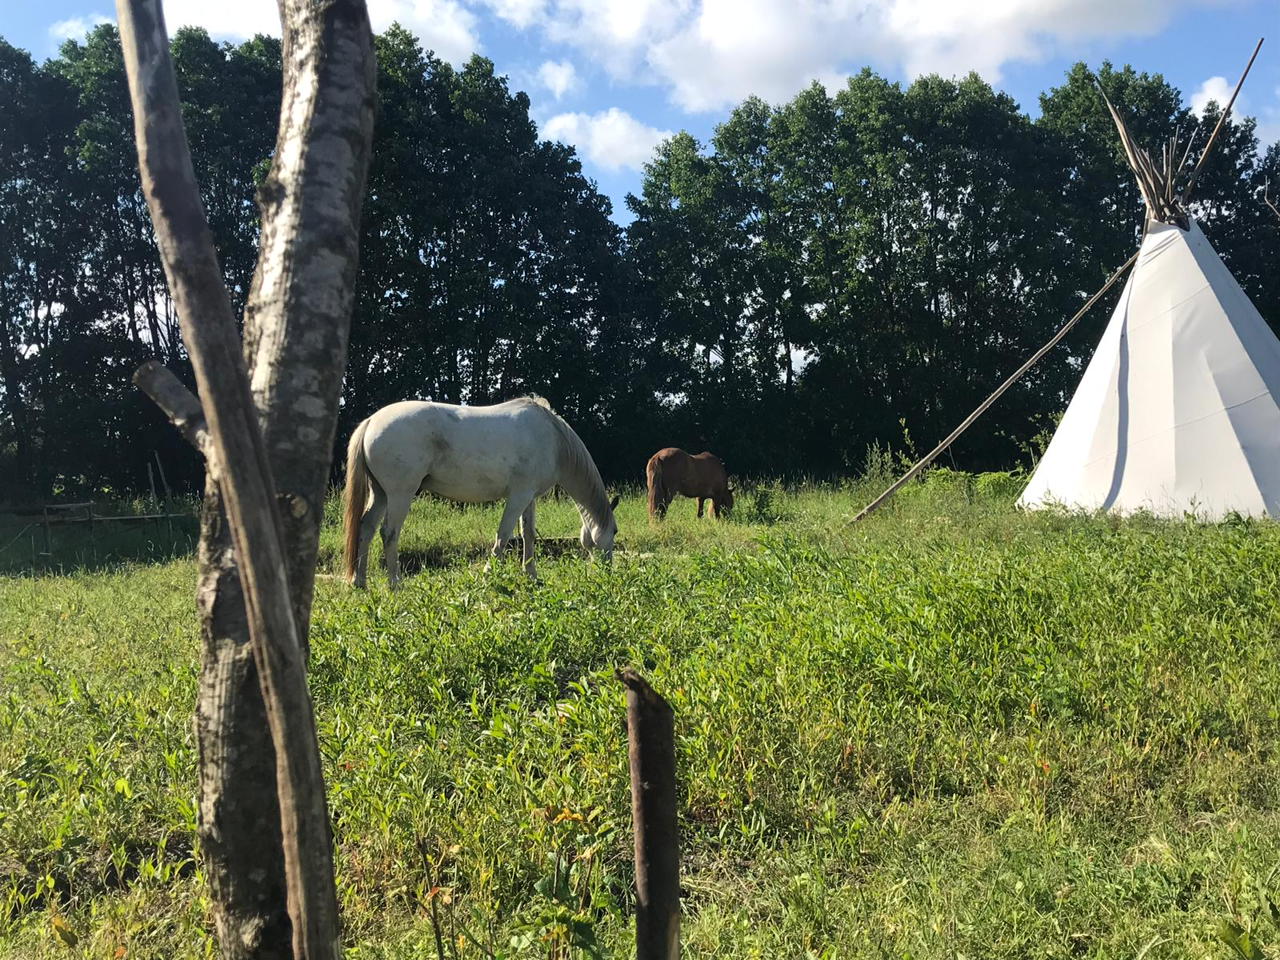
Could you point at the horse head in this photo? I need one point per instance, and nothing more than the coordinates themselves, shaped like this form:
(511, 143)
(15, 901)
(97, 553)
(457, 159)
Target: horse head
(600, 535)
(724, 504)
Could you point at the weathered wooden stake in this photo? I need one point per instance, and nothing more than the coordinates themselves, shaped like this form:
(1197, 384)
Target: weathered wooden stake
(652, 750)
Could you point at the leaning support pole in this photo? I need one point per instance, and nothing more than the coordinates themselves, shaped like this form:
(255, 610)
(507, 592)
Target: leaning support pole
(933, 454)
(652, 751)
(1222, 119)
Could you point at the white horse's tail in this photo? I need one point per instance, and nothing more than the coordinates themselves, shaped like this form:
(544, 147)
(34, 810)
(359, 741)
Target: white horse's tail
(355, 497)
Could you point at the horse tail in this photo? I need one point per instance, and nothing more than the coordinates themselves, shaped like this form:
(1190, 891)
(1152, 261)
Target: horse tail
(653, 474)
(355, 497)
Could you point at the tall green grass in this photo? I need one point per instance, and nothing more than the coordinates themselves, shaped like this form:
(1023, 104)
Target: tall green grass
(951, 731)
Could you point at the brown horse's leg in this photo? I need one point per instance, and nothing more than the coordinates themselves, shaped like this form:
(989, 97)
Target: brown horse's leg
(701, 500)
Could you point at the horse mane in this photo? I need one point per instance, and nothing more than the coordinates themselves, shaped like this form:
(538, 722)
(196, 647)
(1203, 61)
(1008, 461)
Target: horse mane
(575, 460)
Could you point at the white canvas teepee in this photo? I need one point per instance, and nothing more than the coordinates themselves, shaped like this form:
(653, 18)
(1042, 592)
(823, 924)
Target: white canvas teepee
(1179, 410)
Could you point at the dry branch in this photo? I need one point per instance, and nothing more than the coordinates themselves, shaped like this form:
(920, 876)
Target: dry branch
(178, 404)
(1266, 198)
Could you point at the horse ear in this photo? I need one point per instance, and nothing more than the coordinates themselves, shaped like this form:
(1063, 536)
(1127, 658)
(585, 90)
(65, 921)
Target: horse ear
(613, 504)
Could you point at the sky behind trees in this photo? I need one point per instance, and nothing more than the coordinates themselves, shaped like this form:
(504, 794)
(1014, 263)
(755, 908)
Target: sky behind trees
(612, 77)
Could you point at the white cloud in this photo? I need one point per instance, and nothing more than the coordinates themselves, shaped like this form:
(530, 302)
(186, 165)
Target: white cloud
(225, 19)
(445, 26)
(1216, 89)
(611, 139)
(558, 76)
(518, 13)
(712, 53)
(75, 28)
(1269, 121)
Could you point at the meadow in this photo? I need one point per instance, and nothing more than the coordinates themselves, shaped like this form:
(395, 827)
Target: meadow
(952, 731)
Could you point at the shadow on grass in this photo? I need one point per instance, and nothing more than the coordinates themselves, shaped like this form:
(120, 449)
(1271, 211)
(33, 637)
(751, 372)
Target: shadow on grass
(438, 556)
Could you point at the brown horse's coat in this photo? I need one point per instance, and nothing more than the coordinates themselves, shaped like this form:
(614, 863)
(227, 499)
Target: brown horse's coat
(671, 472)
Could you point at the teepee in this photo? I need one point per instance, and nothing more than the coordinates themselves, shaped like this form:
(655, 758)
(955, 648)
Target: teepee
(1178, 412)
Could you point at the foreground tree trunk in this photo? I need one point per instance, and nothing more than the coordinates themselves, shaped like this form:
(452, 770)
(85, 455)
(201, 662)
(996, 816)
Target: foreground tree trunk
(267, 430)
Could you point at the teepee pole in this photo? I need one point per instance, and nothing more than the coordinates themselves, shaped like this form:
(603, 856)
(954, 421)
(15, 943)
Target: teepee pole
(933, 454)
(1226, 112)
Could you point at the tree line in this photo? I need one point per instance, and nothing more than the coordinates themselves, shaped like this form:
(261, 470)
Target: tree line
(842, 271)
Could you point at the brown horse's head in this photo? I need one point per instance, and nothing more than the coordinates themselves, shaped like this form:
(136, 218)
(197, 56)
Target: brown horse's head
(724, 502)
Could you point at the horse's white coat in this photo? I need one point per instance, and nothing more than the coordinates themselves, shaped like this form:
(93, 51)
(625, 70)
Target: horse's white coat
(514, 451)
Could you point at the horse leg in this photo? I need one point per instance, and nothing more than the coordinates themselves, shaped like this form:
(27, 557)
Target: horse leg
(507, 526)
(397, 509)
(528, 536)
(368, 524)
(701, 500)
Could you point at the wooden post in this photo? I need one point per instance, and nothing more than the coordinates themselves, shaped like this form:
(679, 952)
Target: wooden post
(652, 751)
(164, 481)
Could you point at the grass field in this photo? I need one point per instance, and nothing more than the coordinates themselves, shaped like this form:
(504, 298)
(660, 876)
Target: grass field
(954, 731)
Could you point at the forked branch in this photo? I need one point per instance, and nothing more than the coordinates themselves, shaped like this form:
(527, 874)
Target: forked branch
(1266, 198)
(179, 404)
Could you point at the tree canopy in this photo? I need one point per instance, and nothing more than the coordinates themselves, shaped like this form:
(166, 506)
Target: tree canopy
(824, 275)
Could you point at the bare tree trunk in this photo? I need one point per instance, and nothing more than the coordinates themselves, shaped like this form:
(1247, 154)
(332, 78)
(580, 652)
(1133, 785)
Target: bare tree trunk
(268, 439)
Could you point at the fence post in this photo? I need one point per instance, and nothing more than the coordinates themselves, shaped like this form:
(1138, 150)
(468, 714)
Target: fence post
(652, 752)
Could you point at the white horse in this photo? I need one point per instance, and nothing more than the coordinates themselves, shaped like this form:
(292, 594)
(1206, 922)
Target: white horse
(515, 451)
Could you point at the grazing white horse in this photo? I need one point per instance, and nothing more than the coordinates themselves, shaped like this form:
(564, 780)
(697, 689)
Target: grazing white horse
(515, 451)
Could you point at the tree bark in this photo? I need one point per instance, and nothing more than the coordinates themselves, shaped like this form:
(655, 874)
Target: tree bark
(299, 311)
(264, 822)
(239, 825)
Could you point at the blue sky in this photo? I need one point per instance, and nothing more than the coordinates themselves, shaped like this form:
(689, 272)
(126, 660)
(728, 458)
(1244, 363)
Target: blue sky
(614, 76)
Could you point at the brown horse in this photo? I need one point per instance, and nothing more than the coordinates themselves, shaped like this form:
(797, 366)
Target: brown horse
(672, 471)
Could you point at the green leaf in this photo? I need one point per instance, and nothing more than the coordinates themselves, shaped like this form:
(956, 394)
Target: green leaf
(1237, 938)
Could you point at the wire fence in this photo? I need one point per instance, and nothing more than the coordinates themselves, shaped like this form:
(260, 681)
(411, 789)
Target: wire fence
(61, 535)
